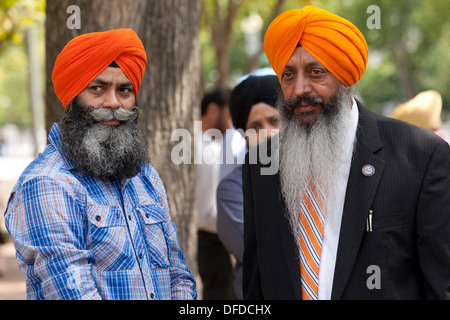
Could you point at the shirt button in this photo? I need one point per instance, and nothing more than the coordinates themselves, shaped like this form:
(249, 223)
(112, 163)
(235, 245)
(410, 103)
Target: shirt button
(129, 217)
(147, 215)
(152, 295)
(140, 255)
(98, 218)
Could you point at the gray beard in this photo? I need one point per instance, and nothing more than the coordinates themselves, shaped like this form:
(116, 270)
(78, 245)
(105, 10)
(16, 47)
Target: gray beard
(311, 151)
(98, 150)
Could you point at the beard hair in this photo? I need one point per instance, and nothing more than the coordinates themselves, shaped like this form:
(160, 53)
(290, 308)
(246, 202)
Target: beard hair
(311, 150)
(112, 152)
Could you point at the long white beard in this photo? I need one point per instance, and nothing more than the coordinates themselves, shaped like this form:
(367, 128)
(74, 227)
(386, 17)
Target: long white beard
(315, 151)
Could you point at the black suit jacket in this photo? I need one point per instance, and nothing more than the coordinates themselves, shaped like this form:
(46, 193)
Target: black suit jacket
(409, 194)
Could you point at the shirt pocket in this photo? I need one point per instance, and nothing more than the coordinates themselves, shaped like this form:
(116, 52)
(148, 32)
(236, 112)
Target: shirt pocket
(157, 232)
(103, 216)
(108, 239)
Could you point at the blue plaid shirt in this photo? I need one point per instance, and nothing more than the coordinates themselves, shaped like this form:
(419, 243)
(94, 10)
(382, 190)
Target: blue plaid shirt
(80, 237)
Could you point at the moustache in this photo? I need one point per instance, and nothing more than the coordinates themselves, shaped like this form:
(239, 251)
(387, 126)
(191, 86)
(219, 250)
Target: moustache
(106, 114)
(291, 103)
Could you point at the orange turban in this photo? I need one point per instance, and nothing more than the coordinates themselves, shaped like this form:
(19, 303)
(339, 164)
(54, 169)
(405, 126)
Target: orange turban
(333, 41)
(87, 55)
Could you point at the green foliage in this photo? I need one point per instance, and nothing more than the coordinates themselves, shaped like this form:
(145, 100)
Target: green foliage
(14, 97)
(379, 86)
(16, 16)
(413, 39)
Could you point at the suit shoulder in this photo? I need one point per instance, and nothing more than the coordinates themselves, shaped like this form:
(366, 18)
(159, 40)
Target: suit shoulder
(406, 129)
(406, 137)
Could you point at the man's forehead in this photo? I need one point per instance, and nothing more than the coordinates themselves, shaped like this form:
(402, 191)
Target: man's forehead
(300, 55)
(112, 74)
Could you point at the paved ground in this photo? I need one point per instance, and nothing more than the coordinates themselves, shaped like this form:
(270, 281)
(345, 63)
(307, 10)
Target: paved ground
(12, 281)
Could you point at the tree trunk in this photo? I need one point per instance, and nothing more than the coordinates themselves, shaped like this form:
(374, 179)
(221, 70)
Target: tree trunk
(170, 93)
(221, 27)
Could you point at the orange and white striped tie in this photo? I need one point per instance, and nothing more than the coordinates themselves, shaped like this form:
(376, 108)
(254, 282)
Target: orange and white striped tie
(312, 217)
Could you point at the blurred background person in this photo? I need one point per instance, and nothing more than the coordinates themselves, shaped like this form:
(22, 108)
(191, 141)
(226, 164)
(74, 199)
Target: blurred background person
(222, 149)
(424, 110)
(252, 106)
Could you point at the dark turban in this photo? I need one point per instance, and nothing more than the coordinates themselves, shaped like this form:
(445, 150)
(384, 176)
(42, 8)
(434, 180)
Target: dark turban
(253, 90)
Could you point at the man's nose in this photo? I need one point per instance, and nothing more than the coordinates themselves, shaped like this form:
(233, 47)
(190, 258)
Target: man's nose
(111, 100)
(302, 86)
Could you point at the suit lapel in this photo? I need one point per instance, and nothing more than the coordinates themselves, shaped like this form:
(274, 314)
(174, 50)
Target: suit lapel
(289, 246)
(361, 190)
(274, 201)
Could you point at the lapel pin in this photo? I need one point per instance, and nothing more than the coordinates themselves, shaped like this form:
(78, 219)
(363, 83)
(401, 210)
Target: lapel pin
(368, 170)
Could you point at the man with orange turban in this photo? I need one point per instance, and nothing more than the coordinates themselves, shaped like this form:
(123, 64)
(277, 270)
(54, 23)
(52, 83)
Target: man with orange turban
(359, 208)
(89, 216)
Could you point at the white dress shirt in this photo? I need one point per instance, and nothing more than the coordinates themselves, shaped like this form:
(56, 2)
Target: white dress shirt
(208, 178)
(219, 155)
(335, 207)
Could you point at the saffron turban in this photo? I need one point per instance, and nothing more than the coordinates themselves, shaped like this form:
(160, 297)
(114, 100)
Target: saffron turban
(333, 41)
(424, 110)
(87, 55)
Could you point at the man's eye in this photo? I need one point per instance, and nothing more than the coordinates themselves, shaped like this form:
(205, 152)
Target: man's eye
(316, 72)
(125, 90)
(287, 75)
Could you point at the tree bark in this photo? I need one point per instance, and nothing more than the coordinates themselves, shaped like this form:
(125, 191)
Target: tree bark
(170, 93)
(221, 27)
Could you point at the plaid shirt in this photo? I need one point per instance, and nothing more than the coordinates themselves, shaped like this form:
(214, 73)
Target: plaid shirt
(80, 237)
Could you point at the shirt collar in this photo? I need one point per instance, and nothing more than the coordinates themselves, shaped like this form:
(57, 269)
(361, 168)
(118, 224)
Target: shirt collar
(56, 141)
(351, 131)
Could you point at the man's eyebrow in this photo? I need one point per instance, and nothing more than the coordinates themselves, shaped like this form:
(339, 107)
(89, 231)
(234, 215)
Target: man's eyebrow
(101, 81)
(126, 84)
(314, 64)
(109, 83)
(308, 65)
